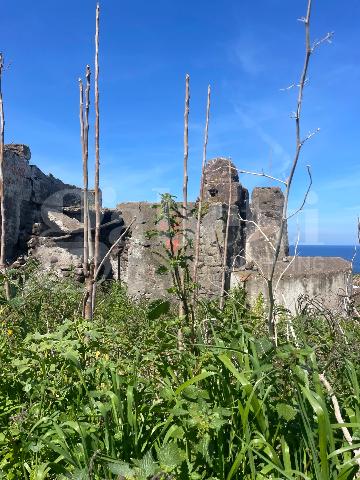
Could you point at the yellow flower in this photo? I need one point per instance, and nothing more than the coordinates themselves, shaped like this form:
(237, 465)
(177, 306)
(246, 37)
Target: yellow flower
(97, 354)
(10, 332)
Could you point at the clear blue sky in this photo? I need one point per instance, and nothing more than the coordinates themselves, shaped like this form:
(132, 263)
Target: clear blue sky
(247, 50)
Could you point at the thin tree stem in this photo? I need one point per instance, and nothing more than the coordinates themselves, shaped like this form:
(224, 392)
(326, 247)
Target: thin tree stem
(84, 131)
(299, 144)
(201, 195)
(97, 143)
(185, 182)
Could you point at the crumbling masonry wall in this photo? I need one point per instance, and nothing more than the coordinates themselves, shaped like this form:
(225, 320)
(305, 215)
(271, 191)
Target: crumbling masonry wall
(141, 256)
(45, 220)
(27, 192)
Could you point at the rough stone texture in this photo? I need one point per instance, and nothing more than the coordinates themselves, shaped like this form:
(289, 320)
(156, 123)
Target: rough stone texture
(141, 257)
(265, 212)
(27, 189)
(327, 279)
(62, 223)
(212, 237)
(217, 181)
(44, 219)
(60, 248)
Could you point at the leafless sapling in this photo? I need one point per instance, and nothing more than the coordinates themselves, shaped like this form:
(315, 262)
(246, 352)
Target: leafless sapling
(201, 196)
(97, 143)
(84, 133)
(300, 141)
(299, 144)
(184, 212)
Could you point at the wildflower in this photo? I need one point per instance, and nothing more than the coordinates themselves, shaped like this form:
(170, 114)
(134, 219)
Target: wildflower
(10, 332)
(97, 354)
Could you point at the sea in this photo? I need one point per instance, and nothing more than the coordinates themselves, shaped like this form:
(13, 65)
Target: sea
(343, 251)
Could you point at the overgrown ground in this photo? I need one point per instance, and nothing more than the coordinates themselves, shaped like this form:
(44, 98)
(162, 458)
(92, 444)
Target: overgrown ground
(116, 399)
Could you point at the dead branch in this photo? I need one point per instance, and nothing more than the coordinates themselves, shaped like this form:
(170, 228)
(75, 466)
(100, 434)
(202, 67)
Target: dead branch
(252, 222)
(310, 135)
(97, 156)
(186, 156)
(97, 142)
(201, 195)
(327, 38)
(339, 417)
(84, 130)
(85, 179)
(305, 196)
(262, 174)
(182, 307)
(293, 85)
(289, 264)
(97, 271)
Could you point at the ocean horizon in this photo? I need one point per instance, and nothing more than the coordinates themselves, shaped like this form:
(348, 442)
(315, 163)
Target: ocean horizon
(343, 251)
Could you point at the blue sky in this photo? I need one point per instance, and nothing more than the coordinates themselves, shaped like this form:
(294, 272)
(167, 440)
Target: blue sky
(247, 50)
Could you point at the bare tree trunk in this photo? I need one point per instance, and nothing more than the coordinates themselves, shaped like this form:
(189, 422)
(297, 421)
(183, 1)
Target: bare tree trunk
(182, 305)
(186, 156)
(185, 180)
(85, 183)
(201, 197)
(97, 156)
(84, 130)
(226, 241)
(97, 143)
(2, 186)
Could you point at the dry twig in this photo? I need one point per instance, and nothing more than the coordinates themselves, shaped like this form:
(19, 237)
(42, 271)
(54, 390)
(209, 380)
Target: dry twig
(97, 271)
(339, 418)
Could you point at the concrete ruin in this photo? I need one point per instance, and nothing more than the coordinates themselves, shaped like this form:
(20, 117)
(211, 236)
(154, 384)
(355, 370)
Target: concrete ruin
(44, 221)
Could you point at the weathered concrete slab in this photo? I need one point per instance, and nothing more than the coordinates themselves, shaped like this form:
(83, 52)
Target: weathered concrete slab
(62, 223)
(327, 279)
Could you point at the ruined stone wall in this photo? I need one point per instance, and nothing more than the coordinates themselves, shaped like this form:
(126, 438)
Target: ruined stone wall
(44, 219)
(325, 281)
(142, 254)
(263, 225)
(27, 191)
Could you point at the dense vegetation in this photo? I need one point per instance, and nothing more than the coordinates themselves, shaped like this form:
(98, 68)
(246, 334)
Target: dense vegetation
(117, 399)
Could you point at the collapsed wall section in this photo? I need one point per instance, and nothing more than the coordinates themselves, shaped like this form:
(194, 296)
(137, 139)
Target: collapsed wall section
(27, 191)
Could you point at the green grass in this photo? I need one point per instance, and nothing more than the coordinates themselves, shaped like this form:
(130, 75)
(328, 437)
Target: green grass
(116, 399)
